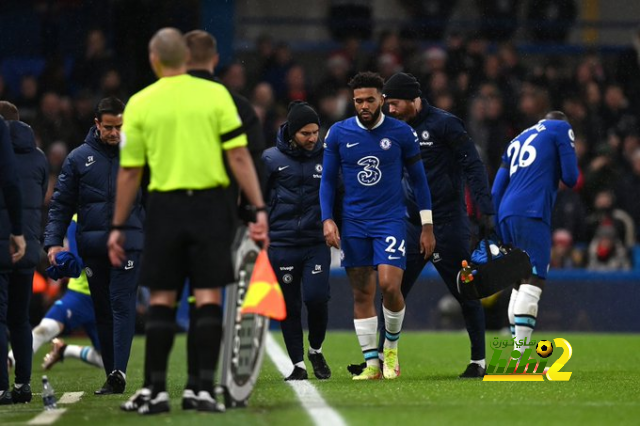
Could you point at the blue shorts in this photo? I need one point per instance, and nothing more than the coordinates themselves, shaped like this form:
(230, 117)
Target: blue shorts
(75, 310)
(531, 235)
(373, 243)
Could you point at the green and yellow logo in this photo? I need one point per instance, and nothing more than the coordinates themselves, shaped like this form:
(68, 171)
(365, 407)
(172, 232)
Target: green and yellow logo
(525, 368)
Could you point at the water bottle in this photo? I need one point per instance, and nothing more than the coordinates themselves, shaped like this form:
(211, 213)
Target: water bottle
(466, 275)
(48, 395)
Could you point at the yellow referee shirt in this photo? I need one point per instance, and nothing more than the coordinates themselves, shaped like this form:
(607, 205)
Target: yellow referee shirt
(179, 126)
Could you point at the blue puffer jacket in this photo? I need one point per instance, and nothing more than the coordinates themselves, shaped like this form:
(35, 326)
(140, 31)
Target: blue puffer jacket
(33, 170)
(87, 185)
(293, 185)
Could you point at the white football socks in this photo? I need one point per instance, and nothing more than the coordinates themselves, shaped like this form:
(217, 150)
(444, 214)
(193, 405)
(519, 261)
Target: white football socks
(366, 330)
(393, 326)
(84, 353)
(526, 312)
(510, 314)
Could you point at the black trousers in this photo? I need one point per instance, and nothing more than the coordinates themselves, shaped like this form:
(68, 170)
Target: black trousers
(15, 295)
(113, 292)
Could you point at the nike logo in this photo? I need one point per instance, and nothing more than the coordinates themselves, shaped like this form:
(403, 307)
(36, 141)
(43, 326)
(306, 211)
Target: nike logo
(394, 257)
(315, 272)
(128, 267)
(349, 145)
(282, 168)
(89, 164)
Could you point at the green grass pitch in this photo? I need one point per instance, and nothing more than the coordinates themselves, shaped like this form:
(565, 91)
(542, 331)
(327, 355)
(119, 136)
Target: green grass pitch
(604, 388)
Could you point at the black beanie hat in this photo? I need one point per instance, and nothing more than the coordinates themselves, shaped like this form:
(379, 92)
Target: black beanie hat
(300, 114)
(402, 86)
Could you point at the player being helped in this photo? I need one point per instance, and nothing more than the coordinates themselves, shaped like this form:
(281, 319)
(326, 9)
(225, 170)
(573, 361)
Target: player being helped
(371, 151)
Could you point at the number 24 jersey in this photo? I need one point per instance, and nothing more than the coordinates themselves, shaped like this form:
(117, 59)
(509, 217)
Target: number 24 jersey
(372, 164)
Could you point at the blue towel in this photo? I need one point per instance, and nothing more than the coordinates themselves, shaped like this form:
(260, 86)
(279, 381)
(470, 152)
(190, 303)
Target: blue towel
(68, 265)
(479, 255)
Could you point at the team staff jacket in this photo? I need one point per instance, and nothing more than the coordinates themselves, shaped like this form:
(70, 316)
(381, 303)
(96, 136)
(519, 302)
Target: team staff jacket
(33, 170)
(293, 185)
(87, 185)
(449, 156)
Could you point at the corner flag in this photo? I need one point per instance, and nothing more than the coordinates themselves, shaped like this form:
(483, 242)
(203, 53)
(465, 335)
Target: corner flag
(264, 296)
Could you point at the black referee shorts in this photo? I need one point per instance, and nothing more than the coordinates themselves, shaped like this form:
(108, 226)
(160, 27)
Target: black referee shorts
(188, 234)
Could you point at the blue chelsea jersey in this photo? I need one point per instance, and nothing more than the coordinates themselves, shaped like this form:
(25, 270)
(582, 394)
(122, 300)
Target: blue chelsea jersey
(536, 160)
(372, 164)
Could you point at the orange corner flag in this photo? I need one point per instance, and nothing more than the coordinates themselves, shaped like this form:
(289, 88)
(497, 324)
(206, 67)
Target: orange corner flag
(264, 296)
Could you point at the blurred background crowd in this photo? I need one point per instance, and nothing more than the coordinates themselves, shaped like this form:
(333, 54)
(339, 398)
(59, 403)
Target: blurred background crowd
(499, 70)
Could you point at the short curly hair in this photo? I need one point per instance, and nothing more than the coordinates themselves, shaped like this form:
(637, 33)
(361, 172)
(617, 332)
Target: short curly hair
(367, 79)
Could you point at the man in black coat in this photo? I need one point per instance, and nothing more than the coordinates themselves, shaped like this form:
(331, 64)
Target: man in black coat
(450, 160)
(16, 277)
(87, 185)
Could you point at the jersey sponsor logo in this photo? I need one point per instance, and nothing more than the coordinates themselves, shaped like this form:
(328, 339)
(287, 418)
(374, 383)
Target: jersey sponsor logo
(385, 144)
(287, 278)
(425, 135)
(90, 161)
(317, 269)
(351, 145)
(426, 143)
(371, 174)
(281, 168)
(286, 268)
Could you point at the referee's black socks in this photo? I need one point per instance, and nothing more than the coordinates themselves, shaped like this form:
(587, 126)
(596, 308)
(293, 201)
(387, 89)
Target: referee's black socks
(160, 330)
(208, 333)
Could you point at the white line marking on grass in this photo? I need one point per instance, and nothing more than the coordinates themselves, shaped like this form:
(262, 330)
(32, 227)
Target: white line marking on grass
(311, 400)
(70, 397)
(47, 417)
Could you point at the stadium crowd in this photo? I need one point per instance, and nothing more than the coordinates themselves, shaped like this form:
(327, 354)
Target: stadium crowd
(493, 87)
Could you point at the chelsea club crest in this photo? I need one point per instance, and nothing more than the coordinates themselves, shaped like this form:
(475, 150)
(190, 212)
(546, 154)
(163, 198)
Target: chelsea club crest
(385, 144)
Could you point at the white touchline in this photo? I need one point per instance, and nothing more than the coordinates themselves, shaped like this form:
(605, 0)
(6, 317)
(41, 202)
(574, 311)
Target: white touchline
(70, 397)
(47, 417)
(311, 400)
(50, 416)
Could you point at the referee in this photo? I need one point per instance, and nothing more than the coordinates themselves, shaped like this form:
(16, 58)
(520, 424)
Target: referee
(181, 126)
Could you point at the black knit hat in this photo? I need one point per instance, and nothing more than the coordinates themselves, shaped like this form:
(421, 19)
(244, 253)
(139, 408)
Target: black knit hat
(402, 86)
(300, 114)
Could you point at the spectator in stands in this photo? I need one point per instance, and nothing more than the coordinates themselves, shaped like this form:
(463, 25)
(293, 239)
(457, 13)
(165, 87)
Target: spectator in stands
(27, 101)
(606, 213)
(234, 78)
(97, 60)
(606, 251)
(275, 70)
(534, 102)
(50, 124)
(563, 254)
(627, 192)
(600, 175)
(569, 214)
